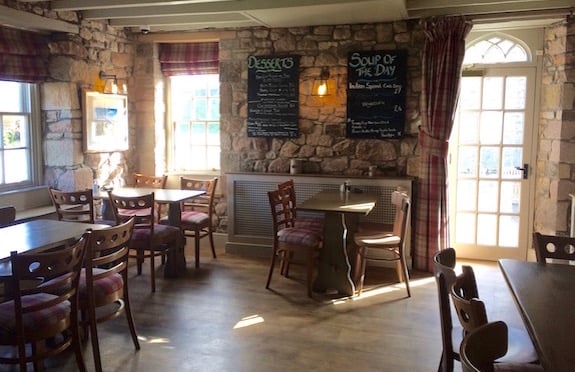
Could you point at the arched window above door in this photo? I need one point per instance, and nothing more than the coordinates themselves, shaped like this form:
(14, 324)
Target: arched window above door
(496, 49)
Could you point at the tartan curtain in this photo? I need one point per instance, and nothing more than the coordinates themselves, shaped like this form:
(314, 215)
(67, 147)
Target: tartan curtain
(23, 56)
(441, 72)
(189, 58)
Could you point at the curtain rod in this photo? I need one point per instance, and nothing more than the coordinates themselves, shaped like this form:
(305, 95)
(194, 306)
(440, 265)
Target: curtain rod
(522, 15)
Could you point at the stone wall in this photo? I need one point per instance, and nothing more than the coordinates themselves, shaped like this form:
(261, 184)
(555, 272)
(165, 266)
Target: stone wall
(322, 143)
(74, 64)
(556, 152)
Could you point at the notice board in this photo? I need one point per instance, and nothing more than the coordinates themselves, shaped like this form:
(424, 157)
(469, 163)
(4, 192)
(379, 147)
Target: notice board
(376, 82)
(273, 96)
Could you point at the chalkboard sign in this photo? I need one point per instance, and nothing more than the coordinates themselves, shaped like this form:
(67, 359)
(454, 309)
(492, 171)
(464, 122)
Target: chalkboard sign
(273, 94)
(376, 82)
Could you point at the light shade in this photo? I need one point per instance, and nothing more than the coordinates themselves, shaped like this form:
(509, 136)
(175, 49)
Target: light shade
(320, 86)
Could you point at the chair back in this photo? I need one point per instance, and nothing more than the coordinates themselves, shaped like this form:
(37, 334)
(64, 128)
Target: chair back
(289, 186)
(481, 347)
(554, 247)
(74, 206)
(282, 210)
(108, 251)
(203, 203)
(152, 182)
(7, 215)
(469, 308)
(57, 274)
(139, 207)
(402, 204)
(444, 271)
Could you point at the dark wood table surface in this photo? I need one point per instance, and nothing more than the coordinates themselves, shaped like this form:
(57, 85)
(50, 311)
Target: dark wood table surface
(39, 235)
(342, 211)
(173, 197)
(545, 296)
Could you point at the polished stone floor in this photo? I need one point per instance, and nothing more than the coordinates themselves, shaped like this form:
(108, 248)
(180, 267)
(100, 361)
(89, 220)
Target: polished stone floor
(220, 318)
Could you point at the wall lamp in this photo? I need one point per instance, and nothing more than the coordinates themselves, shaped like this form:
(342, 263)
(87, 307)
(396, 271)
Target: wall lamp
(114, 84)
(320, 86)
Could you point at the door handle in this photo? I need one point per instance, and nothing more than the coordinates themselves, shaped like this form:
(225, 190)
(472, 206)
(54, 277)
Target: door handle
(525, 170)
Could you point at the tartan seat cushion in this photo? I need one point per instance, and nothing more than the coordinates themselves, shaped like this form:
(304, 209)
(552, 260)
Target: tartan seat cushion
(35, 320)
(103, 287)
(310, 222)
(378, 239)
(194, 218)
(134, 212)
(160, 232)
(299, 236)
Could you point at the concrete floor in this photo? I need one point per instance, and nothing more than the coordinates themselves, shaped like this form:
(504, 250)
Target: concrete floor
(221, 318)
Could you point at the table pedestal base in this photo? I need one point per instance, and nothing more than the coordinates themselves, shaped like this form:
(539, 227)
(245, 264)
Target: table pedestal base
(334, 268)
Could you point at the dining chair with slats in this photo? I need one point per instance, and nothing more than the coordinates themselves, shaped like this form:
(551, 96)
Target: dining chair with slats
(104, 290)
(44, 312)
(197, 214)
(149, 239)
(554, 248)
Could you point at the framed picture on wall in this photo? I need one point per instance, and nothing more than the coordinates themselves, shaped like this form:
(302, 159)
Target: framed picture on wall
(105, 122)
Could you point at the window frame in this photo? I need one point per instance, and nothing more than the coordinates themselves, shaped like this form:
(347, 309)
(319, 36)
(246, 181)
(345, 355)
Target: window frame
(35, 130)
(170, 138)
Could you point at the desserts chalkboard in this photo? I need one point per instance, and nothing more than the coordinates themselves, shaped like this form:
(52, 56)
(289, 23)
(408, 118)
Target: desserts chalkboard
(376, 82)
(273, 96)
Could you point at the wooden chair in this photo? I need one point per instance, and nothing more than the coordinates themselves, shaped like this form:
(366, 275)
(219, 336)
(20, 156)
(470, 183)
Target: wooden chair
(151, 182)
(289, 240)
(149, 239)
(393, 243)
(484, 345)
(74, 206)
(105, 283)
(472, 314)
(311, 222)
(451, 335)
(36, 314)
(559, 249)
(197, 214)
(7, 215)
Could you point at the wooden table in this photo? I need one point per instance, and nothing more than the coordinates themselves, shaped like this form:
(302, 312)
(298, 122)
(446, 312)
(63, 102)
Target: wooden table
(342, 210)
(545, 296)
(40, 235)
(172, 197)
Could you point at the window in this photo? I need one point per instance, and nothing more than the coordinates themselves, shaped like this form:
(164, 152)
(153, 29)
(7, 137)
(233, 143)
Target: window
(20, 132)
(495, 49)
(195, 114)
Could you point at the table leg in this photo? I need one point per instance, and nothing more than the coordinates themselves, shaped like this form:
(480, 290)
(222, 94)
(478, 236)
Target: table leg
(334, 267)
(176, 260)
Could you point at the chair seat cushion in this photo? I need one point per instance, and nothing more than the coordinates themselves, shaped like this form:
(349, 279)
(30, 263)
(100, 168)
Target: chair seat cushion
(194, 218)
(377, 240)
(309, 222)
(103, 287)
(299, 236)
(160, 232)
(35, 320)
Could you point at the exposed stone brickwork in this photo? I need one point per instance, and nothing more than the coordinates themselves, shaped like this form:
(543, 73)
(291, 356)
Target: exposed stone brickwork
(556, 151)
(322, 142)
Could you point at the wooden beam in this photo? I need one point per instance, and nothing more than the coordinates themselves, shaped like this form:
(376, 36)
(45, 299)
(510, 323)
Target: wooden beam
(187, 37)
(33, 22)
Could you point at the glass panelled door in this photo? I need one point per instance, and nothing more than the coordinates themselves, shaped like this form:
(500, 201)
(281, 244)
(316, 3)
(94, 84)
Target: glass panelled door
(490, 155)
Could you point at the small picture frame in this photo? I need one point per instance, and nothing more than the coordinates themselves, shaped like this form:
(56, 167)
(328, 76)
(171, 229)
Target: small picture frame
(105, 122)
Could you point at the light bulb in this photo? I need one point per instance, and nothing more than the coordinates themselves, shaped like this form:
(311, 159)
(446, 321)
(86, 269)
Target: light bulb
(322, 88)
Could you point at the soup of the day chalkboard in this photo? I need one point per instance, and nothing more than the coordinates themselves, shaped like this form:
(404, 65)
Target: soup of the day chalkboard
(273, 96)
(376, 82)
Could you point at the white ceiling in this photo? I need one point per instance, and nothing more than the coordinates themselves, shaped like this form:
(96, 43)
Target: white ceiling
(181, 15)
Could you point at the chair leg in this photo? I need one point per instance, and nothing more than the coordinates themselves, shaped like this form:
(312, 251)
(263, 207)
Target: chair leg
(197, 247)
(94, 339)
(128, 311)
(405, 274)
(153, 270)
(272, 264)
(211, 237)
(310, 266)
(139, 260)
(361, 252)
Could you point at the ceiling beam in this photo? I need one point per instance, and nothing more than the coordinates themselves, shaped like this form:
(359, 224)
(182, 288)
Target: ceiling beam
(111, 4)
(196, 8)
(438, 4)
(535, 6)
(34, 22)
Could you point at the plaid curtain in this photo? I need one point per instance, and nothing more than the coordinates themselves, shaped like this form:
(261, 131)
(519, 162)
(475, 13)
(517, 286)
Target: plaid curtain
(23, 56)
(442, 59)
(189, 58)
